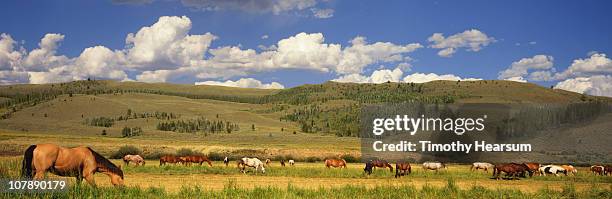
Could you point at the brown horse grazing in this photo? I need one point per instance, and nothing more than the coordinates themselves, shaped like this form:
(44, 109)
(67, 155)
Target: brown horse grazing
(136, 159)
(511, 169)
(198, 159)
(401, 168)
(79, 162)
(182, 160)
(598, 169)
(335, 163)
(168, 159)
(533, 167)
(382, 164)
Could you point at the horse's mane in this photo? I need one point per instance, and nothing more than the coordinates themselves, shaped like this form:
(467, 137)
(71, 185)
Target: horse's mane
(101, 161)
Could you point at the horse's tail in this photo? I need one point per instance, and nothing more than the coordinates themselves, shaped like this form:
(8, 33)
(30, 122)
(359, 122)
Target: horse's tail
(26, 163)
(390, 167)
(494, 170)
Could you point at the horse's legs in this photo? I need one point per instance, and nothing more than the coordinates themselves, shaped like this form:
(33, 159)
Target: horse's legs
(89, 177)
(40, 167)
(79, 179)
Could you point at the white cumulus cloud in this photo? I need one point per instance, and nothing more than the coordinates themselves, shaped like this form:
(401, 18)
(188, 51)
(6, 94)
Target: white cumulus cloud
(13, 77)
(472, 40)
(166, 44)
(45, 57)
(275, 7)
(596, 64)
(244, 83)
(422, 78)
(521, 68)
(600, 85)
(385, 75)
(516, 79)
(378, 76)
(322, 13)
(9, 57)
(166, 51)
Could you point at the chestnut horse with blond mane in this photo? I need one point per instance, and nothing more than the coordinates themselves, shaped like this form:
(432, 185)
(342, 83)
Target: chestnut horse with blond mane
(80, 162)
(335, 163)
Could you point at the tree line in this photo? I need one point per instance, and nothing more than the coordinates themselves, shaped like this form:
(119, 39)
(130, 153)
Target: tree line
(200, 124)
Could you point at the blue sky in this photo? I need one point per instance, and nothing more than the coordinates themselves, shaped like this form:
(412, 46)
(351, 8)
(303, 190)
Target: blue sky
(563, 31)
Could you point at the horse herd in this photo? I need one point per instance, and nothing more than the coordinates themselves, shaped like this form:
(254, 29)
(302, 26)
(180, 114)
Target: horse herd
(401, 168)
(83, 163)
(512, 170)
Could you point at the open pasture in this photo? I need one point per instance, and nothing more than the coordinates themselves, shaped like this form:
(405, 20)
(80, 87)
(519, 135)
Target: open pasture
(314, 176)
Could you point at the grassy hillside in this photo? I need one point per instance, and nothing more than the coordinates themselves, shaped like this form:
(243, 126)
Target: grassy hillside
(330, 108)
(310, 120)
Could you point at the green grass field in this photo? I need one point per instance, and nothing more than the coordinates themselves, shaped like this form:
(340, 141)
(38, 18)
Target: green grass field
(313, 180)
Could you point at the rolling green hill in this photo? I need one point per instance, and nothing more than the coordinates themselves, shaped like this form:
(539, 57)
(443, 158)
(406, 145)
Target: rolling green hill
(329, 108)
(306, 121)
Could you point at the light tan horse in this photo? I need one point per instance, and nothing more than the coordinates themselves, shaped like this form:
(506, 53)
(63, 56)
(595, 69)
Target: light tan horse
(80, 162)
(136, 159)
(570, 169)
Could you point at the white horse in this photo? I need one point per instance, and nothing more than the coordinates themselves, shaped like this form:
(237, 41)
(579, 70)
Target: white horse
(136, 159)
(552, 169)
(291, 162)
(433, 166)
(251, 162)
(481, 165)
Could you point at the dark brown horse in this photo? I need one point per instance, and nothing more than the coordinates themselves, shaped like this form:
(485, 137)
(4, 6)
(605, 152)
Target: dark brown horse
(168, 159)
(598, 169)
(335, 163)
(182, 160)
(368, 167)
(198, 159)
(79, 162)
(382, 164)
(512, 170)
(402, 168)
(608, 170)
